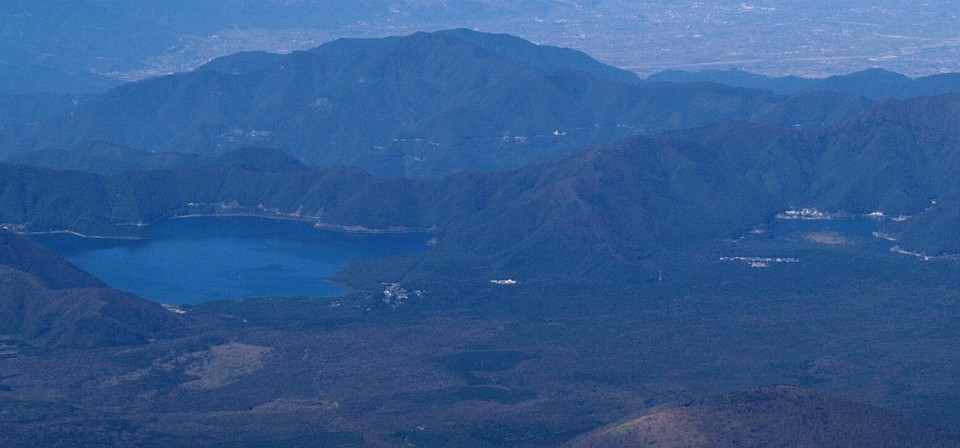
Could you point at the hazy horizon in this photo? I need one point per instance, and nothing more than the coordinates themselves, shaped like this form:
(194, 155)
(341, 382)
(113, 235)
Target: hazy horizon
(815, 38)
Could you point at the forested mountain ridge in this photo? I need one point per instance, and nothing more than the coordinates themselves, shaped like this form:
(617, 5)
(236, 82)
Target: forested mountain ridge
(420, 105)
(602, 210)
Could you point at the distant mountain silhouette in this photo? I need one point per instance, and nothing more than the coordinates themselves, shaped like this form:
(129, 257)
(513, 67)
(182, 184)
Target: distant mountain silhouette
(104, 158)
(420, 106)
(782, 416)
(61, 43)
(37, 79)
(260, 160)
(48, 302)
(16, 110)
(242, 63)
(544, 58)
(873, 83)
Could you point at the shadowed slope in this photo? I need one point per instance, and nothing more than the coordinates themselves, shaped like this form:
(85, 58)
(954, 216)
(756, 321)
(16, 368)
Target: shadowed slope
(49, 302)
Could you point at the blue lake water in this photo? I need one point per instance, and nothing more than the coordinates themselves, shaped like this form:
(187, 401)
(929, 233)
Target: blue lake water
(855, 230)
(192, 260)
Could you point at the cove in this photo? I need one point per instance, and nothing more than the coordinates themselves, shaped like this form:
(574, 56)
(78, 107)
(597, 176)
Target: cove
(191, 260)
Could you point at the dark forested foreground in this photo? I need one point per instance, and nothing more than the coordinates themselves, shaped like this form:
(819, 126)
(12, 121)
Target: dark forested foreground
(503, 365)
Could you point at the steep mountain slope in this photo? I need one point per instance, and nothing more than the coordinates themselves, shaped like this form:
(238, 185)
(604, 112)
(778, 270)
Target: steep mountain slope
(905, 151)
(605, 211)
(46, 301)
(21, 254)
(42, 200)
(420, 105)
(782, 416)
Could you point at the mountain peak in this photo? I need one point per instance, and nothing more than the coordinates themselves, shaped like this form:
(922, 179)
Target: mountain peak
(544, 58)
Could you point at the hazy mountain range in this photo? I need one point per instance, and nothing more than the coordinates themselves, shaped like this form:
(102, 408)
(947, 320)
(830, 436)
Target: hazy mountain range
(872, 83)
(420, 105)
(91, 39)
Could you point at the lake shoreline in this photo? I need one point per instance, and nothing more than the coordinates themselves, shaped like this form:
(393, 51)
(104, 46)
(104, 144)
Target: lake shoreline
(337, 228)
(79, 235)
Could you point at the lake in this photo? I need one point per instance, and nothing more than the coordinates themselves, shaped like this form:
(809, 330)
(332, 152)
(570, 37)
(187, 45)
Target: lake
(858, 230)
(191, 260)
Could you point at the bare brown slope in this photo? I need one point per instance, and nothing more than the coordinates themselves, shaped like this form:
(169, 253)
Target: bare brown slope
(781, 416)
